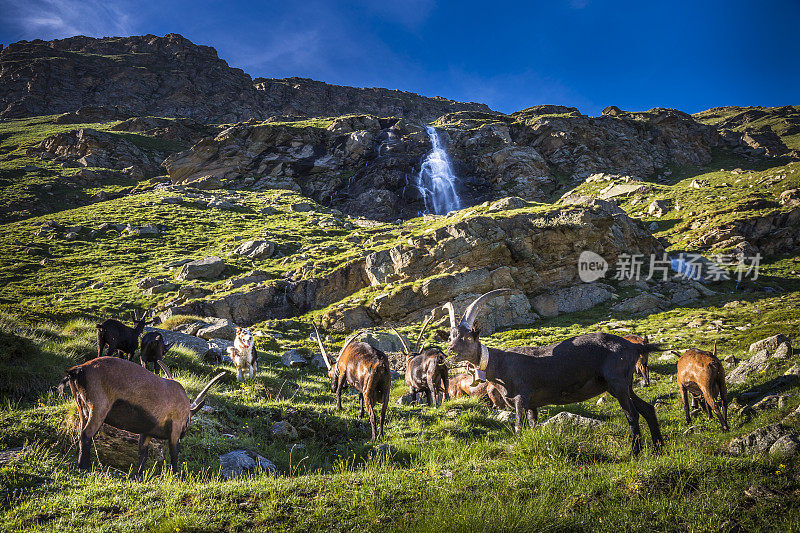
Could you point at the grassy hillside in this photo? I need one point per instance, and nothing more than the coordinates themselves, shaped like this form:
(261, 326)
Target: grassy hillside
(453, 468)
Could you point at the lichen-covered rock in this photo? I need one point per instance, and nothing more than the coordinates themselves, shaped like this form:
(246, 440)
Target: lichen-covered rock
(239, 463)
(257, 249)
(220, 328)
(293, 358)
(571, 299)
(770, 343)
(759, 440)
(786, 446)
(758, 361)
(206, 268)
(283, 430)
(565, 417)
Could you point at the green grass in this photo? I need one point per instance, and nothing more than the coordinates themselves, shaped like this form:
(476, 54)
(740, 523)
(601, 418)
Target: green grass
(452, 468)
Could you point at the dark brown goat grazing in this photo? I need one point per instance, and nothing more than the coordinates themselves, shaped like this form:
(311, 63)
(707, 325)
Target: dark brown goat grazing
(426, 370)
(571, 371)
(364, 368)
(119, 337)
(702, 374)
(152, 349)
(644, 357)
(126, 396)
(461, 385)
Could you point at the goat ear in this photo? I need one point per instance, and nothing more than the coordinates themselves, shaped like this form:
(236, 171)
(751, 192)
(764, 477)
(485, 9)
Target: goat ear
(443, 334)
(475, 332)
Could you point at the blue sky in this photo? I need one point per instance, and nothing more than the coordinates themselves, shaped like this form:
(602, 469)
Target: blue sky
(509, 55)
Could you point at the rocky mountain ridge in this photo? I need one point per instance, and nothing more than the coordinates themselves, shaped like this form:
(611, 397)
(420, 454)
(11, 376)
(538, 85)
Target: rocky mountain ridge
(170, 76)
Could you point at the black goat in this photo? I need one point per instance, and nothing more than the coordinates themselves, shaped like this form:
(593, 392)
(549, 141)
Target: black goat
(571, 371)
(119, 337)
(152, 349)
(426, 370)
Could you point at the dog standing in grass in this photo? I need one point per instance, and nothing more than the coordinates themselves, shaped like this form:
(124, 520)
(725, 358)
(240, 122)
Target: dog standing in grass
(243, 353)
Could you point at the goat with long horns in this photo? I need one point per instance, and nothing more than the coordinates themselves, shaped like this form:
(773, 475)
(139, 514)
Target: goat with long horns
(570, 371)
(364, 368)
(426, 369)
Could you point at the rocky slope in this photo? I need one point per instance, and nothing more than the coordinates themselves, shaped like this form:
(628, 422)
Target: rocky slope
(366, 165)
(776, 129)
(170, 76)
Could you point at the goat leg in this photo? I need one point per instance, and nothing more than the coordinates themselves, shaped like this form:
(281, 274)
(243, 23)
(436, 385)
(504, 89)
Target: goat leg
(361, 405)
(685, 398)
(339, 387)
(626, 403)
(520, 403)
(144, 448)
(372, 421)
(432, 394)
(173, 453)
(533, 416)
(386, 389)
(649, 414)
(95, 419)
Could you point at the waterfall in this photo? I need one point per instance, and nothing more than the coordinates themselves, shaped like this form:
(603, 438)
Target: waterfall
(436, 180)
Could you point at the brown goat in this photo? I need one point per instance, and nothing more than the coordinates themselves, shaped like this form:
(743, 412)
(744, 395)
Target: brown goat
(644, 357)
(364, 368)
(426, 370)
(702, 374)
(461, 385)
(126, 396)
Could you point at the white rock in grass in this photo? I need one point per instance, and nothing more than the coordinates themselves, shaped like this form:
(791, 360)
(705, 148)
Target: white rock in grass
(576, 420)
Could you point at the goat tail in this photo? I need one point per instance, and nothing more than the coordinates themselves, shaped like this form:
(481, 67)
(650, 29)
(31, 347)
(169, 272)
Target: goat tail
(200, 400)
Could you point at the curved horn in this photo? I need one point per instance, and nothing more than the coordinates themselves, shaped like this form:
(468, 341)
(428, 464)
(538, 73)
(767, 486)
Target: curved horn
(347, 341)
(199, 400)
(165, 368)
(406, 347)
(321, 347)
(452, 311)
(715, 347)
(475, 307)
(421, 333)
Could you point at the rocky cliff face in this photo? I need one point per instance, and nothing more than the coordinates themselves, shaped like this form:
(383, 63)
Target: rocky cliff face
(172, 77)
(366, 165)
(305, 97)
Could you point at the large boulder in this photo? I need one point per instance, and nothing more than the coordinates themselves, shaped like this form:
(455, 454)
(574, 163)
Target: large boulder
(571, 299)
(572, 419)
(757, 362)
(759, 440)
(206, 268)
(293, 358)
(240, 463)
(255, 249)
(219, 328)
(769, 343)
(200, 346)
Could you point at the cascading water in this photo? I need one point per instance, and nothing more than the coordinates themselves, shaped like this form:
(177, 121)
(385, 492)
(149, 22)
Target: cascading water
(436, 180)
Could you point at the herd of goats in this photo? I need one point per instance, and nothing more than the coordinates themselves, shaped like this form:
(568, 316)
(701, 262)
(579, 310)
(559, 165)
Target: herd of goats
(128, 396)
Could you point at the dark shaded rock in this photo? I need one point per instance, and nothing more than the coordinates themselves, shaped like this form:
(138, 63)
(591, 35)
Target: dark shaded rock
(239, 463)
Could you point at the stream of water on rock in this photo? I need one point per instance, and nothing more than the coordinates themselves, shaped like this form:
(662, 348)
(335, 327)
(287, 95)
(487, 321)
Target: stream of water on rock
(436, 180)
